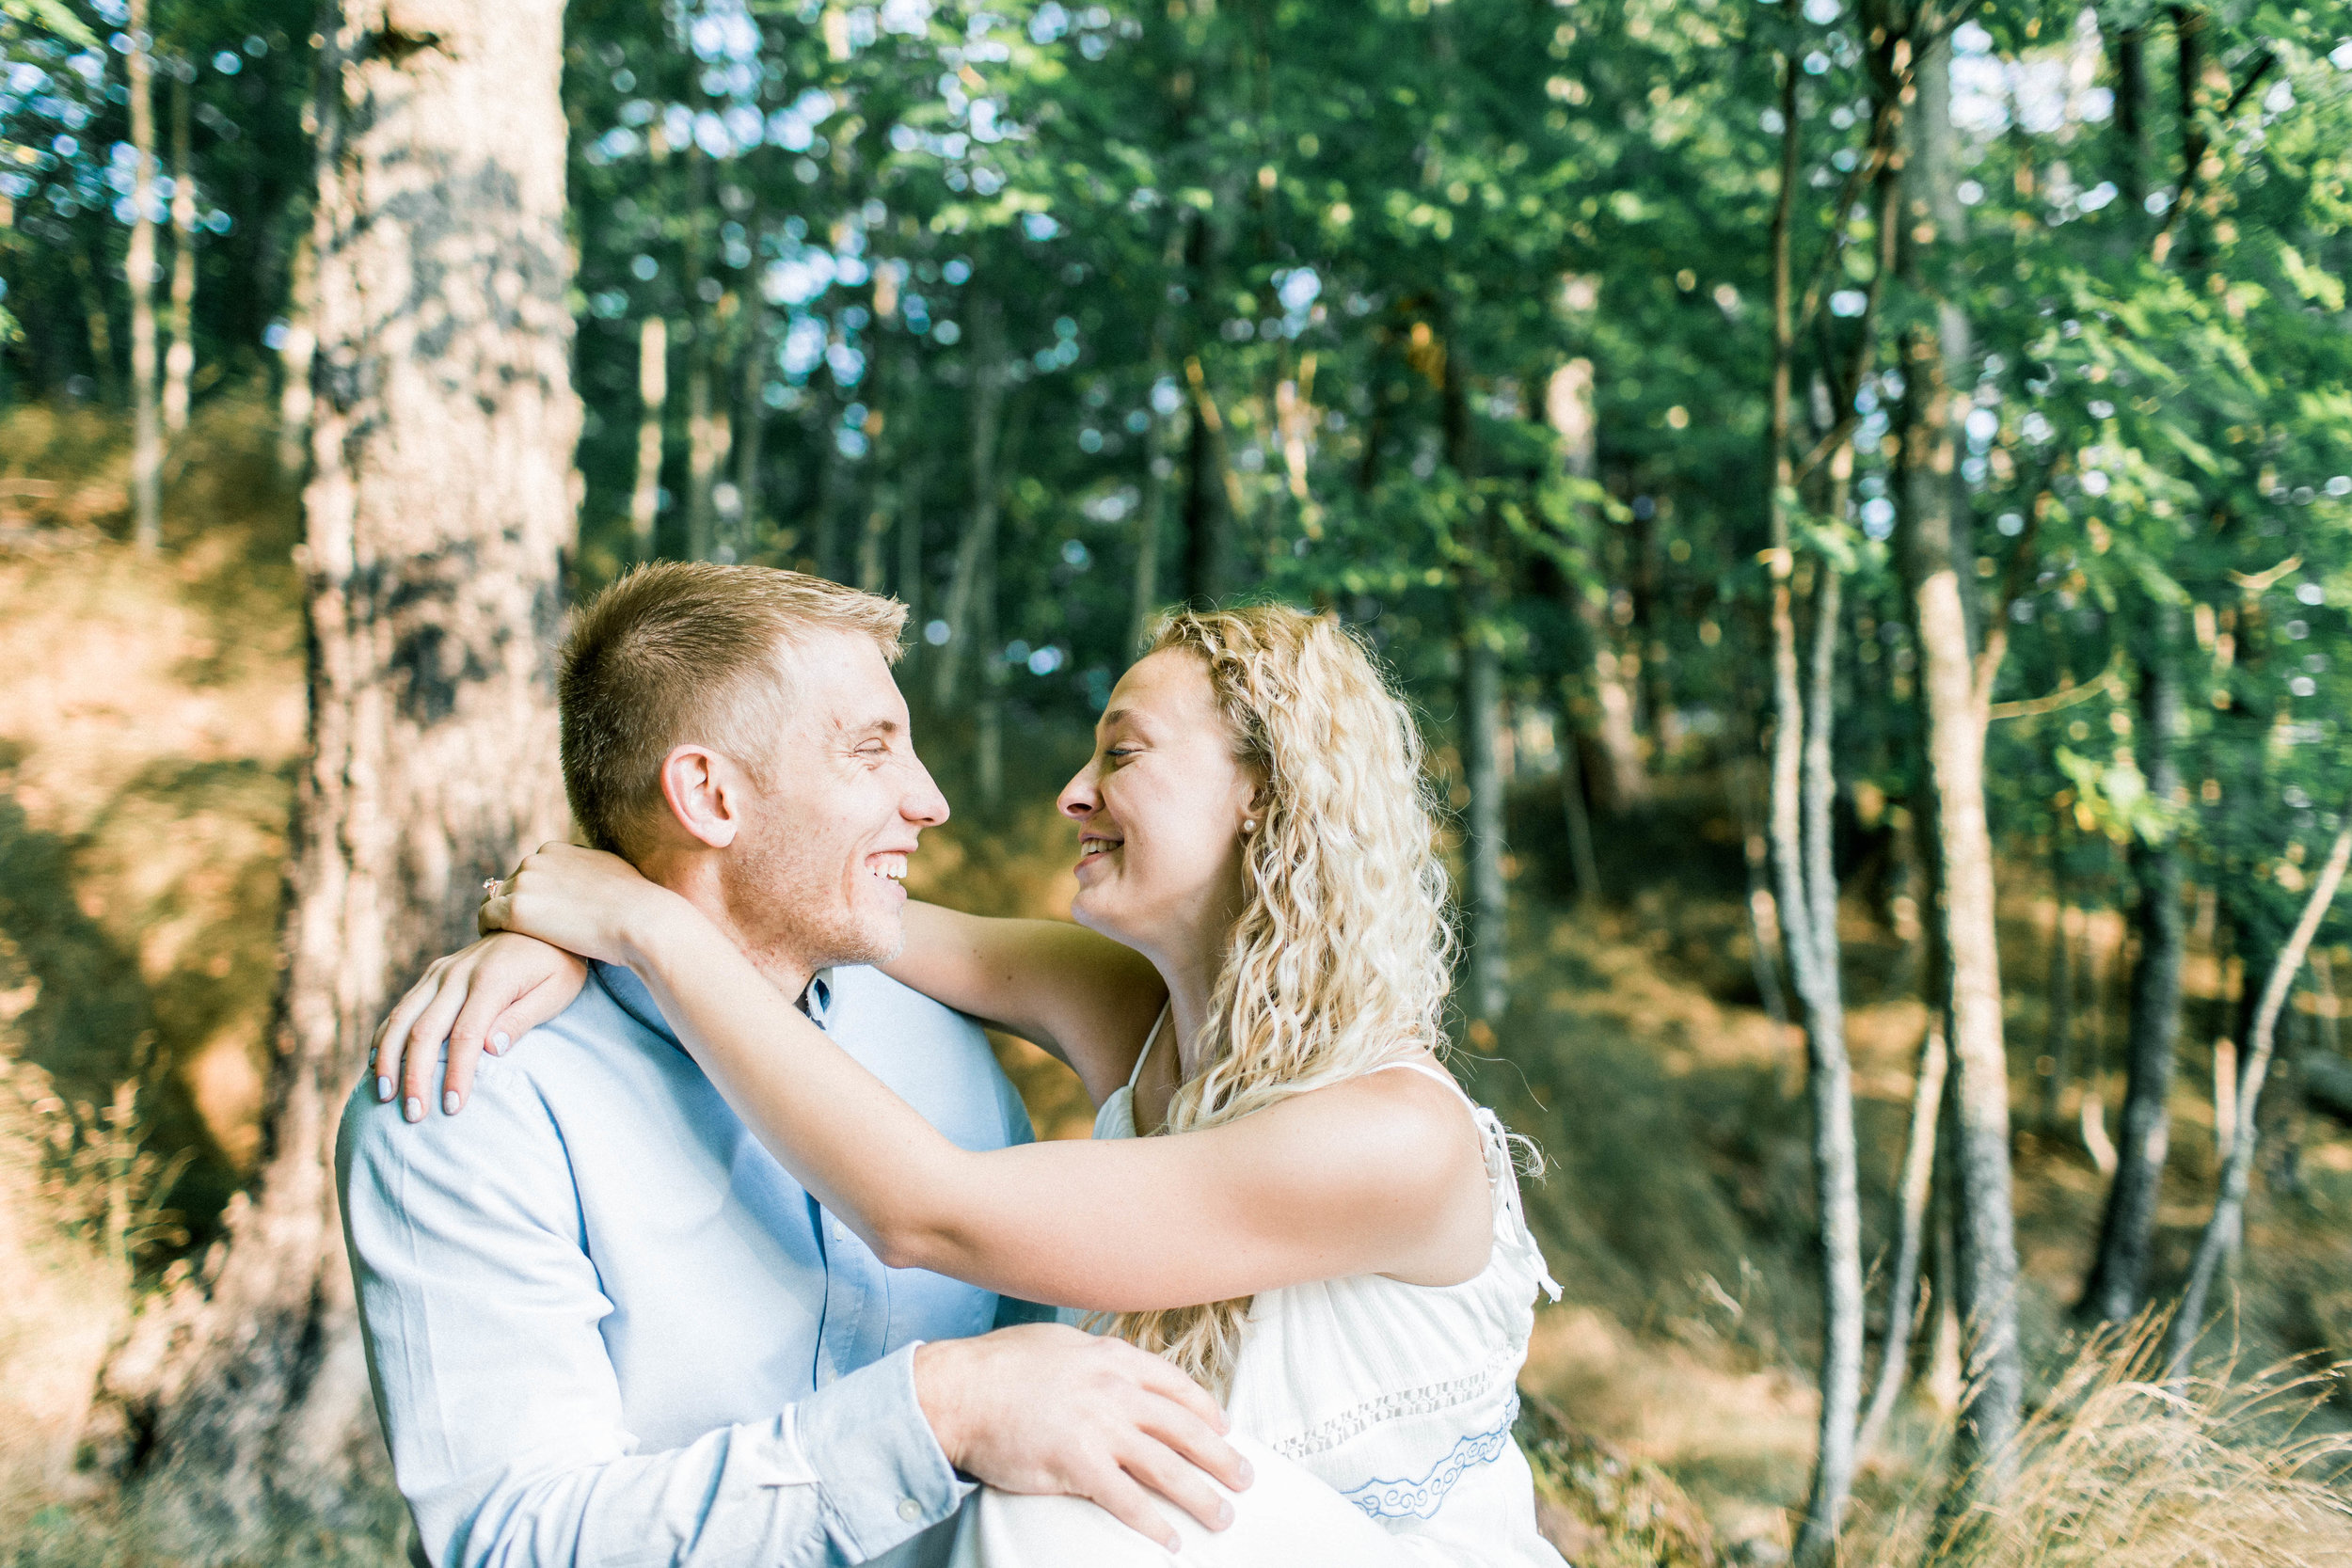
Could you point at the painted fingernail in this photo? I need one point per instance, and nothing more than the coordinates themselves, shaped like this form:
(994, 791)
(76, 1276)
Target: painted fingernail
(1224, 1515)
(1247, 1475)
(499, 1042)
(450, 1104)
(383, 1088)
(412, 1108)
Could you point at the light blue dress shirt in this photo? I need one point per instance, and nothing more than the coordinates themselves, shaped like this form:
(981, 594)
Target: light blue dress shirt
(606, 1328)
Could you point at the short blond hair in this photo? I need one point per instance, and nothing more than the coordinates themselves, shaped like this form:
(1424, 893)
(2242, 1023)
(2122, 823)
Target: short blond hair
(680, 651)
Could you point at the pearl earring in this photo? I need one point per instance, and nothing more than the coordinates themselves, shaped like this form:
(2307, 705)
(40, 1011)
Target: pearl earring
(1249, 825)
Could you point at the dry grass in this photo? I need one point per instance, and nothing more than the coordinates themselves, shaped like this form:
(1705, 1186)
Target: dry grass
(2119, 1469)
(63, 1298)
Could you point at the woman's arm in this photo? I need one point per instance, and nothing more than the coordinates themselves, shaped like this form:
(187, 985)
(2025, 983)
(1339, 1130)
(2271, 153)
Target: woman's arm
(1383, 1174)
(1082, 996)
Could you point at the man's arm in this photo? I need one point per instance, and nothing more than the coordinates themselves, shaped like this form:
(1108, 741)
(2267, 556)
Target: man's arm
(502, 1407)
(504, 1417)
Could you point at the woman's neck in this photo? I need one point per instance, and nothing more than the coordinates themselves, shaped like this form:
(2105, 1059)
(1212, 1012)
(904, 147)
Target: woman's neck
(1190, 968)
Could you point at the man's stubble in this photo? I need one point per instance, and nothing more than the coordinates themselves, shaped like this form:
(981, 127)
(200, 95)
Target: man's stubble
(783, 895)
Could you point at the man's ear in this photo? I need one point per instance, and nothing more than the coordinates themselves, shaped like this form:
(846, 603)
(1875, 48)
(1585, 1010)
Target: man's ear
(704, 790)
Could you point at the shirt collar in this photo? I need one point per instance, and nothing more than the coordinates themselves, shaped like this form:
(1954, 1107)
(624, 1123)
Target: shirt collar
(629, 993)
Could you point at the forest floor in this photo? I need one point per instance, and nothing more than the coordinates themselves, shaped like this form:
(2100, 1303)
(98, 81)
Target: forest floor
(148, 725)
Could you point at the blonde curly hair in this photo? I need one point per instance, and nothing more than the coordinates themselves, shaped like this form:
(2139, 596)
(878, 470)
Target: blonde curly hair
(1342, 957)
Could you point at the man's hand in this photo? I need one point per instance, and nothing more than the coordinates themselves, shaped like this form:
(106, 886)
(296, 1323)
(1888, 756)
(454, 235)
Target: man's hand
(1046, 1408)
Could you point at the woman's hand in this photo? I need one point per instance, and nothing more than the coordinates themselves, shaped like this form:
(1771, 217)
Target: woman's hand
(583, 900)
(485, 996)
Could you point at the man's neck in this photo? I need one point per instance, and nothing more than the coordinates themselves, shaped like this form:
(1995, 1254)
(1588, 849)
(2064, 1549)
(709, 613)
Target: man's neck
(696, 880)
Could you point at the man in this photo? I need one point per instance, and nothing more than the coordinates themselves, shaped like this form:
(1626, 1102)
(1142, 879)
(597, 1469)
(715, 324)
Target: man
(604, 1326)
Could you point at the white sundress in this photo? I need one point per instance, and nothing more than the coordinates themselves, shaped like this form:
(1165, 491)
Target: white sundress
(1376, 1414)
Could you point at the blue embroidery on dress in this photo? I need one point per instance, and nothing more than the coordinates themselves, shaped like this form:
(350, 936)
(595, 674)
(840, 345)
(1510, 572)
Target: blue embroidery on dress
(1421, 1499)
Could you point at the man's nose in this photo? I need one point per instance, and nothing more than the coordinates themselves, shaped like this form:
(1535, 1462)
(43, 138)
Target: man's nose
(924, 805)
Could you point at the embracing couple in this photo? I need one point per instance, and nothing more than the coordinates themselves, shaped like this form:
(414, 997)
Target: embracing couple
(712, 1235)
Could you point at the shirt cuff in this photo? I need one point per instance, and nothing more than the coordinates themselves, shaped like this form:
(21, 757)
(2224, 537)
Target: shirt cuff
(880, 1471)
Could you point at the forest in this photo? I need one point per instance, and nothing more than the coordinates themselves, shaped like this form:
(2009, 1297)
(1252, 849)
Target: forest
(1859, 493)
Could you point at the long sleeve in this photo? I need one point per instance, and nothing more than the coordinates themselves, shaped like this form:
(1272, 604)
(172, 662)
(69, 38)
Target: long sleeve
(482, 1307)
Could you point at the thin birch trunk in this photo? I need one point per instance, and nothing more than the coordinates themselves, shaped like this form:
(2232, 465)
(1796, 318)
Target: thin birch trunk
(990, 720)
(1568, 409)
(707, 437)
(434, 526)
(2222, 1231)
(1804, 791)
(1956, 681)
(146, 442)
(1902, 1298)
(1830, 1077)
(180, 359)
(2059, 1036)
(1144, 599)
(980, 530)
(1488, 894)
(295, 399)
(653, 390)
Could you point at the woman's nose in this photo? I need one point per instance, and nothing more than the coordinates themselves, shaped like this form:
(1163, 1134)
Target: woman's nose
(1078, 796)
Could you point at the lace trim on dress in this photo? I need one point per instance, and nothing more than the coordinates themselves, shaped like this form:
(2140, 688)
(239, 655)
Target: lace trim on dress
(1421, 1499)
(1329, 1434)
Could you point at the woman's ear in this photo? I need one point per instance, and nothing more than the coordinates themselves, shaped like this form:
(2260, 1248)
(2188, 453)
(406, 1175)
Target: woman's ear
(703, 790)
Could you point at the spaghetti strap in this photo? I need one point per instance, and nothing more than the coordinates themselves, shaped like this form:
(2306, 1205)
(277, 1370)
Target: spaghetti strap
(1426, 1071)
(1144, 1056)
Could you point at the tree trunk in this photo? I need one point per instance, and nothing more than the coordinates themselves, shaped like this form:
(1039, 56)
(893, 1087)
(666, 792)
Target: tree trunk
(869, 550)
(2228, 1209)
(1935, 554)
(980, 529)
(989, 738)
(707, 437)
(2059, 1036)
(2118, 1274)
(1568, 409)
(1208, 514)
(147, 439)
(294, 355)
(1582, 861)
(910, 586)
(1830, 1079)
(440, 503)
(1144, 603)
(1158, 460)
(750, 428)
(1902, 1295)
(1490, 895)
(1803, 792)
(180, 361)
(653, 390)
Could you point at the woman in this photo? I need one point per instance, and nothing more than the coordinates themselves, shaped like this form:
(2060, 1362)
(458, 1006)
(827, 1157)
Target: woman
(1321, 1227)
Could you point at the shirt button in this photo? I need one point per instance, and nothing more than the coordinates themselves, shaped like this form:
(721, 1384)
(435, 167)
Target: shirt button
(909, 1510)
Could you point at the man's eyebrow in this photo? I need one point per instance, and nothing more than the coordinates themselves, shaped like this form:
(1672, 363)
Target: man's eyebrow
(871, 727)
